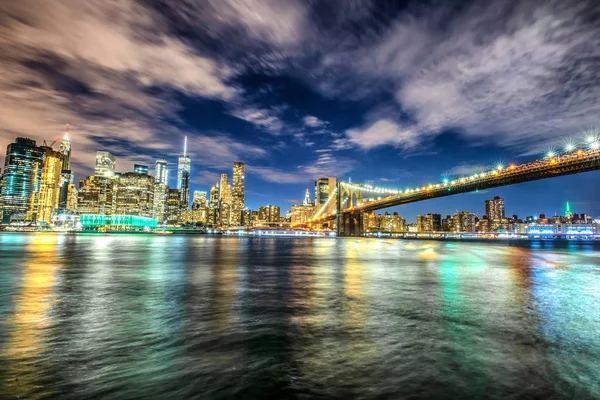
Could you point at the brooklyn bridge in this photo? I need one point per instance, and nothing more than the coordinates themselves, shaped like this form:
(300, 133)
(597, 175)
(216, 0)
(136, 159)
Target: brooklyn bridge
(347, 205)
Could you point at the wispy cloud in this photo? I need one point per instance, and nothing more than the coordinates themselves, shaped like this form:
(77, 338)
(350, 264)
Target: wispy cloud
(466, 169)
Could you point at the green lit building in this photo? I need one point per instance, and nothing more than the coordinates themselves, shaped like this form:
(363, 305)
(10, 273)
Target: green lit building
(116, 222)
(21, 181)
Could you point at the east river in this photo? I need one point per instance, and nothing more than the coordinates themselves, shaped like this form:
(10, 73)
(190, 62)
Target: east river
(201, 317)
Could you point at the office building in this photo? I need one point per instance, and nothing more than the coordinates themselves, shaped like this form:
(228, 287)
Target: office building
(50, 185)
(65, 150)
(268, 215)
(463, 222)
(140, 169)
(71, 206)
(303, 212)
(183, 177)
(135, 195)
(225, 200)
(173, 214)
(494, 209)
(429, 223)
(23, 167)
(97, 195)
(105, 164)
(238, 194)
(199, 201)
(161, 173)
(161, 193)
(324, 187)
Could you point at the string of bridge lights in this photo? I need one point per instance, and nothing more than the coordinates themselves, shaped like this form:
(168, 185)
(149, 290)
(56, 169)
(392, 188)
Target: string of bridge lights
(324, 207)
(592, 142)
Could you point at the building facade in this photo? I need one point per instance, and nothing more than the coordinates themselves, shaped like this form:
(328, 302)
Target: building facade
(50, 185)
(97, 195)
(21, 180)
(183, 177)
(161, 173)
(105, 164)
(135, 195)
(463, 222)
(429, 223)
(140, 169)
(173, 214)
(238, 197)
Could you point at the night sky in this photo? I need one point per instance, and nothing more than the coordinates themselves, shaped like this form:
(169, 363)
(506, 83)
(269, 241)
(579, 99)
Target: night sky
(395, 94)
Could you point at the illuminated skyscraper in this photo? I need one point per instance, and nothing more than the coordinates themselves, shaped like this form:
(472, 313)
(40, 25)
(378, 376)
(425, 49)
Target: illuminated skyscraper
(105, 164)
(140, 169)
(303, 212)
(67, 177)
(494, 209)
(269, 214)
(21, 181)
(161, 173)
(200, 200)
(97, 195)
(173, 213)
(323, 188)
(463, 222)
(238, 196)
(214, 195)
(65, 150)
(50, 184)
(161, 193)
(183, 177)
(225, 200)
(135, 195)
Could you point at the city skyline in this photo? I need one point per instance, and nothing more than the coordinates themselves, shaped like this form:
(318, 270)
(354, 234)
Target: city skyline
(377, 110)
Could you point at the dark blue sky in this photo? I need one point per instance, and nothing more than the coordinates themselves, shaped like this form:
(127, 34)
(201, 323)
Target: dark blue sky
(395, 94)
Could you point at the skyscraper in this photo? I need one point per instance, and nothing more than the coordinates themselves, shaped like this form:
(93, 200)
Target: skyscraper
(200, 200)
(225, 200)
(161, 173)
(214, 195)
(238, 196)
(21, 180)
(67, 177)
(183, 177)
(494, 209)
(65, 150)
(97, 195)
(140, 169)
(323, 188)
(135, 195)
(105, 164)
(50, 184)
(429, 223)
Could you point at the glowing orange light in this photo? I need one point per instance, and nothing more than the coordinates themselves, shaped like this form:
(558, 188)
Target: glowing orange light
(579, 152)
(512, 167)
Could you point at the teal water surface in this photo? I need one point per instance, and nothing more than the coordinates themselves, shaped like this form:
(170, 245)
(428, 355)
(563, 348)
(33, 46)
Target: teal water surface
(201, 317)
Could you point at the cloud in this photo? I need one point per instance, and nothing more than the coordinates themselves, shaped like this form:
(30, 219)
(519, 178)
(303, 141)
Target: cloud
(466, 169)
(109, 68)
(382, 132)
(325, 165)
(265, 119)
(313, 122)
(507, 72)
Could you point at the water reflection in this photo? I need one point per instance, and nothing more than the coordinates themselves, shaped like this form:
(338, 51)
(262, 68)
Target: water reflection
(105, 316)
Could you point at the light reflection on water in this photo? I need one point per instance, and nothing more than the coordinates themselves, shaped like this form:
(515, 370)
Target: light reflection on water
(129, 316)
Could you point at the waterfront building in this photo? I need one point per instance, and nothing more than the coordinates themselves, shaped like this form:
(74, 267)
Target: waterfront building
(429, 222)
(161, 173)
(391, 222)
(494, 209)
(301, 213)
(105, 164)
(225, 200)
(67, 177)
(214, 196)
(116, 222)
(238, 194)
(97, 195)
(463, 222)
(448, 224)
(183, 177)
(173, 211)
(50, 185)
(161, 193)
(247, 217)
(65, 149)
(21, 181)
(135, 195)
(268, 215)
(140, 169)
(483, 225)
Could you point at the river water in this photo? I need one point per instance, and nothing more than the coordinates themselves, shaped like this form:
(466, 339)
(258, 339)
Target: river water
(177, 317)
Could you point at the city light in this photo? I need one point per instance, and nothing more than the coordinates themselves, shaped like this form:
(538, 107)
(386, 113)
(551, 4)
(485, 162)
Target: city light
(595, 145)
(550, 154)
(570, 147)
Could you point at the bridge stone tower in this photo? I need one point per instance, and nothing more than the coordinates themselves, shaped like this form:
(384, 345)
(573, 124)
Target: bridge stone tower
(348, 223)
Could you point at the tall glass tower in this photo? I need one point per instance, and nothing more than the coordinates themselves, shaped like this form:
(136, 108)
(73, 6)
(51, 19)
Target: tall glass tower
(67, 177)
(238, 195)
(21, 181)
(161, 173)
(183, 176)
